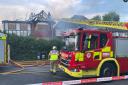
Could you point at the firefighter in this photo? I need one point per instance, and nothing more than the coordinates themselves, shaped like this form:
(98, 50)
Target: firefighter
(54, 54)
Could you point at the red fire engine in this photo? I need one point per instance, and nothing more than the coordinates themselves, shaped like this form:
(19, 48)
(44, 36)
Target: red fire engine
(95, 52)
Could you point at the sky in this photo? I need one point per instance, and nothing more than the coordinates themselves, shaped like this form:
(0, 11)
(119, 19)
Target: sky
(21, 9)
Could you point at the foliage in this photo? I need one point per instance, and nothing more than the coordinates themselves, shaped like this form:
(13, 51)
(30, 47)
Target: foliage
(27, 48)
(98, 17)
(111, 16)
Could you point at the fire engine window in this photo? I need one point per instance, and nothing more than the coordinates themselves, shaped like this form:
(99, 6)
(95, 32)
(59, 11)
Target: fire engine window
(93, 41)
(103, 40)
(77, 40)
(90, 41)
(84, 44)
(73, 42)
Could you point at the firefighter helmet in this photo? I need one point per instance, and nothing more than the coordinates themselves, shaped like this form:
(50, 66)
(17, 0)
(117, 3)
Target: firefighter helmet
(54, 47)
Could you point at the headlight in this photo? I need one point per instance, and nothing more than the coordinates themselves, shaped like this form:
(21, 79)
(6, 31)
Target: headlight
(69, 57)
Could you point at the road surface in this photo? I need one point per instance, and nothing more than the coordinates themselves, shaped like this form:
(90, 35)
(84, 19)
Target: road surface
(39, 74)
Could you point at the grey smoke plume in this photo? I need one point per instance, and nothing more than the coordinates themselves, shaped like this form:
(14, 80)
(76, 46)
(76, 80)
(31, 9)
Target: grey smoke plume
(20, 9)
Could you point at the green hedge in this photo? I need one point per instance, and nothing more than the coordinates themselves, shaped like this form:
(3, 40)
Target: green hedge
(27, 48)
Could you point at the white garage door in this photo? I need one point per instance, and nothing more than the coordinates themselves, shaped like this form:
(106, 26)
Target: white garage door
(1, 51)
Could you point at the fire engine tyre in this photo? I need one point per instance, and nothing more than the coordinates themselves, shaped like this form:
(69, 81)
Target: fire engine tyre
(108, 70)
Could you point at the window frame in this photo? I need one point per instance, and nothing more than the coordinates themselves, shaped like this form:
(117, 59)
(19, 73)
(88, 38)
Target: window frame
(92, 34)
(103, 38)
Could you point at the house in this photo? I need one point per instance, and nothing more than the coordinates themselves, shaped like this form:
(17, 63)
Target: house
(24, 28)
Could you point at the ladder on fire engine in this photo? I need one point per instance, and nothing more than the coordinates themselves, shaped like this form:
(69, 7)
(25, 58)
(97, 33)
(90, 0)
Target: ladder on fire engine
(96, 23)
(117, 28)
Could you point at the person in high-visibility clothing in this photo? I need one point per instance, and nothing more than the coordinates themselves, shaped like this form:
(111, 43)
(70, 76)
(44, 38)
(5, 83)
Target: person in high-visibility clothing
(54, 56)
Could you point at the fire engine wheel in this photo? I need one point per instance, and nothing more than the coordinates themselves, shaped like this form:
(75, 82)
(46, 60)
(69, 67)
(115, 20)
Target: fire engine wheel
(108, 70)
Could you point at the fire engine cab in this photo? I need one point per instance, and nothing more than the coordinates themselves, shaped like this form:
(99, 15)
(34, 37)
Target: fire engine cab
(95, 52)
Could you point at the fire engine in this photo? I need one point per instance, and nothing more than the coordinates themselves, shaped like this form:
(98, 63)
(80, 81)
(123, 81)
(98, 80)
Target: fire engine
(99, 52)
(4, 52)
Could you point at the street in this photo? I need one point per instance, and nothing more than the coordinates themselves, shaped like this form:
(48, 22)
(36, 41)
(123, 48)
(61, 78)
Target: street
(39, 74)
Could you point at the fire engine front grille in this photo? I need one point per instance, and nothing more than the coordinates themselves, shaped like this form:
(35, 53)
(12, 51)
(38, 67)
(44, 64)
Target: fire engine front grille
(64, 62)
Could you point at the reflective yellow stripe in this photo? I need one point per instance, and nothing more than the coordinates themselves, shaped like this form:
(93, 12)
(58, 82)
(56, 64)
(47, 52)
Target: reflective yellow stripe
(54, 57)
(5, 52)
(74, 74)
(81, 73)
(3, 37)
(111, 24)
(79, 56)
(105, 60)
(111, 54)
(98, 54)
(106, 49)
(89, 44)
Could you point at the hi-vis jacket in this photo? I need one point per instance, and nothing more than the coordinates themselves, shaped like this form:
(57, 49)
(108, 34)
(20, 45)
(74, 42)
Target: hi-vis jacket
(54, 54)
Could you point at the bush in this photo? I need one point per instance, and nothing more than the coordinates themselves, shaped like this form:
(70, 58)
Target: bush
(27, 48)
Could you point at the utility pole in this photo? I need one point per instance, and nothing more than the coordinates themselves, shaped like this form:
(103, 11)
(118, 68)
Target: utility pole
(51, 23)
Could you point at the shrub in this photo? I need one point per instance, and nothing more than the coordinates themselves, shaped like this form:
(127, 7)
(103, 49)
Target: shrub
(27, 48)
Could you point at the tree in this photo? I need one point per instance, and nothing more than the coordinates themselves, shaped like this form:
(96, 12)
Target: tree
(111, 16)
(98, 17)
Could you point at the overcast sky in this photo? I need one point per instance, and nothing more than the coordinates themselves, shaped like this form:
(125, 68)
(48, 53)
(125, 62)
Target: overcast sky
(20, 9)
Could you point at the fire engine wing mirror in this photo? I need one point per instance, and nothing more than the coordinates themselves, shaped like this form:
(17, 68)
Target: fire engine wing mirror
(64, 48)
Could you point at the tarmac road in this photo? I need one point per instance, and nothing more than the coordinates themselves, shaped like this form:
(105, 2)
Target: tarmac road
(8, 68)
(33, 75)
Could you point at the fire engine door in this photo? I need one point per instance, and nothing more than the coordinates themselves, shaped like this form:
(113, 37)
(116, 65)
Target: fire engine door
(93, 46)
(2, 51)
(92, 52)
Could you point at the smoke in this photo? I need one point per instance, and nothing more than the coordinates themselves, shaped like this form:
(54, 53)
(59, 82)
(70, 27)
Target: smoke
(11, 10)
(68, 8)
(21, 9)
(19, 12)
(62, 8)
